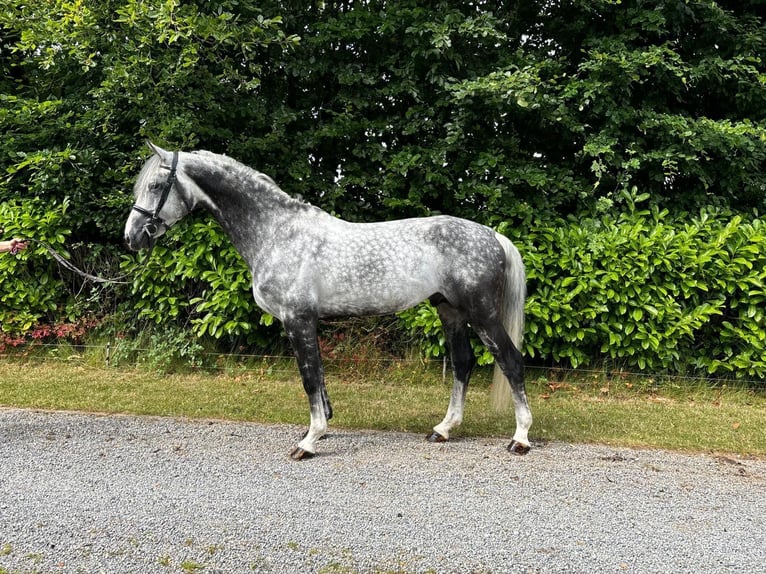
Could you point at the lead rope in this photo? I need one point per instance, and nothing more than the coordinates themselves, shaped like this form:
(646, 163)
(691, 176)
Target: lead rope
(68, 265)
(155, 219)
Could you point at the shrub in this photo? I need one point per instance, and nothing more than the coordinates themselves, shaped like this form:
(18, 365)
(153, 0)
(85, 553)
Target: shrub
(646, 290)
(70, 333)
(639, 290)
(163, 350)
(32, 290)
(642, 289)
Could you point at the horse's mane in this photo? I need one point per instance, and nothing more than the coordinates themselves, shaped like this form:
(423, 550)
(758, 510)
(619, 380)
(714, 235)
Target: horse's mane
(262, 180)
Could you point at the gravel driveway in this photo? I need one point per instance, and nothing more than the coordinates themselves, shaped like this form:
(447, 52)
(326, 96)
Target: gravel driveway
(124, 494)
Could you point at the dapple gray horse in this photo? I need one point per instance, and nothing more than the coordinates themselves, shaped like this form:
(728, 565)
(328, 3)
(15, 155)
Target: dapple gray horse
(308, 265)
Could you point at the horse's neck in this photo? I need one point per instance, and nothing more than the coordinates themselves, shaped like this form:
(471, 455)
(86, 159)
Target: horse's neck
(247, 204)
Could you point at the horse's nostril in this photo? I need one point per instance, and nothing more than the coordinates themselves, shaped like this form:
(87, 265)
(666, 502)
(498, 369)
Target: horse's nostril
(130, 244)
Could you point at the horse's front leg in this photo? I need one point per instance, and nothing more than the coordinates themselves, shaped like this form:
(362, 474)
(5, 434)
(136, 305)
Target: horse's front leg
(302, 332)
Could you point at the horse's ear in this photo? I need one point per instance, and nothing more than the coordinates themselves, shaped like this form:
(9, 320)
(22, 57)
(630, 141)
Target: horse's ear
(159, 152)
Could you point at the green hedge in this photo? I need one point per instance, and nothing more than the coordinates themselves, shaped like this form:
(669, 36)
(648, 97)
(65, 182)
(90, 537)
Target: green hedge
(31, 291)
(648, 291)
(643, 290)
(194, 277)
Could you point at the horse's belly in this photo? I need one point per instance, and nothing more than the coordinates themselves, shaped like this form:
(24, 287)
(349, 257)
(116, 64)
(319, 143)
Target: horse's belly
(377, 297)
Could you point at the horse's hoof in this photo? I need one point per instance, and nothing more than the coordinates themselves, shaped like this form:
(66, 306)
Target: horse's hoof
(518, 448)
(299, 454)
(436, 437)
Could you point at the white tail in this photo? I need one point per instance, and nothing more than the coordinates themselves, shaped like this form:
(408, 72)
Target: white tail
(514, 295)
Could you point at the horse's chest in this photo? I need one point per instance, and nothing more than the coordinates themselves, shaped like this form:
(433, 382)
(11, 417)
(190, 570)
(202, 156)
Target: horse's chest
(284, 279)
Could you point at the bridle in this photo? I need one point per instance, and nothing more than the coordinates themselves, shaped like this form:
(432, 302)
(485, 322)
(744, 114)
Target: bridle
(152, 227)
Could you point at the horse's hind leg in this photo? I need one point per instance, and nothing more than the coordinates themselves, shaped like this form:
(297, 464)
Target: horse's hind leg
(461, 354)
(302, 332)
(511, 363)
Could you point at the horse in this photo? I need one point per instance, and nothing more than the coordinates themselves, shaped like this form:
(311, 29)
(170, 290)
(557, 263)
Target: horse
(308, 265)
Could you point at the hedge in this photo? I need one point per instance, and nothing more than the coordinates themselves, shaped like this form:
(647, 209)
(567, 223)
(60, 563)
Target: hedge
(641, 290)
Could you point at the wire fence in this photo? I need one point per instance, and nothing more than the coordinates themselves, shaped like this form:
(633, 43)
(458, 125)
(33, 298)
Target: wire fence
(102, 356)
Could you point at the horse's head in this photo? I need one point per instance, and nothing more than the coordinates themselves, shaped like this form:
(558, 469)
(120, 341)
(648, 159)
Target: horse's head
(159, 200)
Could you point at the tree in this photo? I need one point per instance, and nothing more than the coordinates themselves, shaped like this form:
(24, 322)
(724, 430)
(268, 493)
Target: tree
(665, 97)
(495, 111)
(84, 82)
(520, 115)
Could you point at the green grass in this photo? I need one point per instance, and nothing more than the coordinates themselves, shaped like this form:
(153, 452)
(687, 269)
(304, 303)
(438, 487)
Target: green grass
(406, 397)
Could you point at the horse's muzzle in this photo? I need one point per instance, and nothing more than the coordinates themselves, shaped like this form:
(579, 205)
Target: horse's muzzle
(139, 241)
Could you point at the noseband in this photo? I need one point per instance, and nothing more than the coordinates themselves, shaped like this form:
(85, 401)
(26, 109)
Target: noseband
(152, 226)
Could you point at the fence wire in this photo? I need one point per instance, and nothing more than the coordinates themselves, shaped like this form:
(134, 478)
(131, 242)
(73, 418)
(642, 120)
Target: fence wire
(88, 355)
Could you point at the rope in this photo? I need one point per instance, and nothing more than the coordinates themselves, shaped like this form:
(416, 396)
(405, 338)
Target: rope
(68, 265)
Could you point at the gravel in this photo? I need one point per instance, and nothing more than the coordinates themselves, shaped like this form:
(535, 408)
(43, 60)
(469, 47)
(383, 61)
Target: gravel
(124, 494)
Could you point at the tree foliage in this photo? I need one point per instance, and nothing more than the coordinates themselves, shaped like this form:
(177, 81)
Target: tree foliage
(548, 119)
(84, 82)
(666, 97)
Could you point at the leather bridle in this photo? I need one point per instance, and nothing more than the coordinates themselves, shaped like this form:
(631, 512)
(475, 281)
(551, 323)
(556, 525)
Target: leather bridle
(152, 227)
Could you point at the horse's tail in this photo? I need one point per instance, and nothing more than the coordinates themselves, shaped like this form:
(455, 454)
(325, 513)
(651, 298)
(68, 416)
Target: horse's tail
(514, 294)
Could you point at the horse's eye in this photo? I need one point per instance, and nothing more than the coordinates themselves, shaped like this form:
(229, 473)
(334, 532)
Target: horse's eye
(156, 186)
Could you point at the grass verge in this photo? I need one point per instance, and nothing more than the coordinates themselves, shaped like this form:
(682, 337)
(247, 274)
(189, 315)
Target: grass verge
(406, 397)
